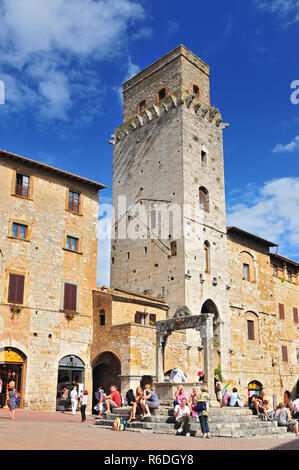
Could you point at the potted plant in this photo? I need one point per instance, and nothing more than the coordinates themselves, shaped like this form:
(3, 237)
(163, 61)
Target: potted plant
(15, 309)
(70, 315)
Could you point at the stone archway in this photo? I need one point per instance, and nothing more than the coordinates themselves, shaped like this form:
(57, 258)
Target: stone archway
(106, 371)
(12, 371)
(182, 320)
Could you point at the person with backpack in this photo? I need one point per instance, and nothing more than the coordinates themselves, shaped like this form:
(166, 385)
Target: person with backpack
(202, 409)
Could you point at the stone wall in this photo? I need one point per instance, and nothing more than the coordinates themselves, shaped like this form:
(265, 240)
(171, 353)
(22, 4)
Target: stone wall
(41, 330)
(257, 300)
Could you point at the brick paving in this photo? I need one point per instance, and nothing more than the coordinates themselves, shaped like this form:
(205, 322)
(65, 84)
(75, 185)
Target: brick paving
(42, 430)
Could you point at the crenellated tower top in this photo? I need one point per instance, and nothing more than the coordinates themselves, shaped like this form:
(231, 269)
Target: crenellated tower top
(179, 73)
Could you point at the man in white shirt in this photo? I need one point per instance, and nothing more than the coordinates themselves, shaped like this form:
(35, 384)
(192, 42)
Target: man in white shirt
(74, 399)
(182, 416)
(177, 375)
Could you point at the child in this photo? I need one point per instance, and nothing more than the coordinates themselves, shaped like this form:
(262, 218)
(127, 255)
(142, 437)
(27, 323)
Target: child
(193, 402)
(202, 408)
(100, 394)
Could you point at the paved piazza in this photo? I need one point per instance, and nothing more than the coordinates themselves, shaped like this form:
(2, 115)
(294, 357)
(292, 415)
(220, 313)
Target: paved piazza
(41, 430)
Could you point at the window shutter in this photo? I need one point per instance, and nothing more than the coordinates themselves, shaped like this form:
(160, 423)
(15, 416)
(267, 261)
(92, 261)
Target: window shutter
(295, 313)
(281, 311)
(250, 329)
(16, 289)
(284, 351)
(20, 290)
(152, 317)
(70, 297)
(138, 317)
(12, 289)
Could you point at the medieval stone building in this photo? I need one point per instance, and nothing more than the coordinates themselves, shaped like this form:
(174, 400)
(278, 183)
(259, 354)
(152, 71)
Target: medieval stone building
(170, 238)
(48, 264)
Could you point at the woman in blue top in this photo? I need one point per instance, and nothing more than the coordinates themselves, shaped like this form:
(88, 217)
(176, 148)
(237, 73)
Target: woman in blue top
(12, 402)
(149, 400)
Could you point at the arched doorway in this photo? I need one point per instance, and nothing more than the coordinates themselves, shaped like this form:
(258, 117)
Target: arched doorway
(210, 307)
(12, 373)
(70, 372)
(106, 372)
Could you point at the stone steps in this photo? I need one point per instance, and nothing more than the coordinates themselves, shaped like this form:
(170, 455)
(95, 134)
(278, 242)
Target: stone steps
(233, 422)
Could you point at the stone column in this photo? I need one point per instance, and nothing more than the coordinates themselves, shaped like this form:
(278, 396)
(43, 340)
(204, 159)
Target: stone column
(207, 342)
(160, 346)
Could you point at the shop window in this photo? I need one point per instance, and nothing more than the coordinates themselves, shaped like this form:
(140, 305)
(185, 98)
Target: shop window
(19, 230)
(102, 318)
(72, 243)
(16, 289)
(204, 199)
(281, 311)
(295, 314)
(70, 297)
(284, 353)
(22, 185)
(74, 201)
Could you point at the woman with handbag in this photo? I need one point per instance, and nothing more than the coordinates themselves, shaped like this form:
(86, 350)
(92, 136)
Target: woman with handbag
(202, 408)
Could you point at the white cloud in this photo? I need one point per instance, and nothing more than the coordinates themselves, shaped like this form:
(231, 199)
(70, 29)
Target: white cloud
(286, 10)
(272, 214)
(54, 46)
(290, 147)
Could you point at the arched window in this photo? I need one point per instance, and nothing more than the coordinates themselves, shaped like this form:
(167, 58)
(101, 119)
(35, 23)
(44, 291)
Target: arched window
(207, 256)
(204, 199)
(252, 327)
(173, 248)
(102, 318)
(196, 90)
(247, 266)
(141, 106)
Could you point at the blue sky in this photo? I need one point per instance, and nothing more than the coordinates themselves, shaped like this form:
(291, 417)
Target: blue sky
(63, 64)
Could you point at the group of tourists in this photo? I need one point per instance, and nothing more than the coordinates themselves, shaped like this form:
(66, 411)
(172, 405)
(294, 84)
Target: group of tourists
(195, 406)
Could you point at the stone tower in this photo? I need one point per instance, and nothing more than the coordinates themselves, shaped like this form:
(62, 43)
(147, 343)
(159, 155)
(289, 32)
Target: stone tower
(169, 237)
